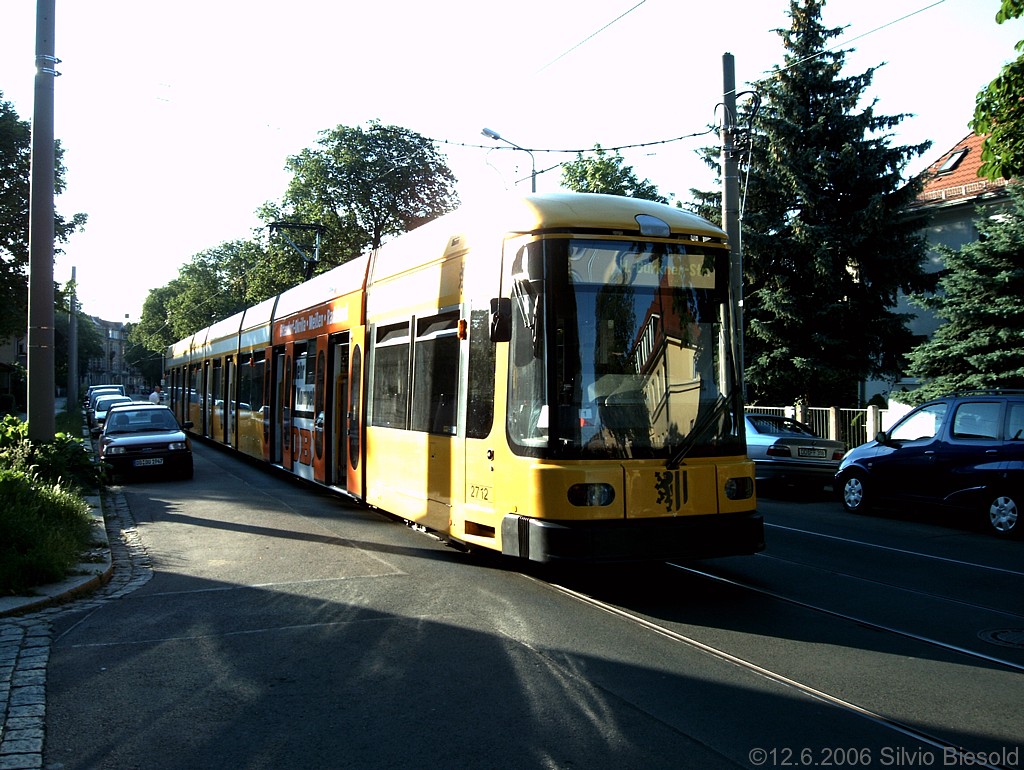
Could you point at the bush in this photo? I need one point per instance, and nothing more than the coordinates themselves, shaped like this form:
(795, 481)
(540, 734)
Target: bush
(44, 528)
(44, 522)
(67, 459)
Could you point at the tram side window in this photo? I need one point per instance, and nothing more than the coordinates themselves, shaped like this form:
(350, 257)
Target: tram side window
(304, 380)
(480, 403)
(216, 382)
(250, 383)
(436, 374)
(257, 398)
(193, 385)
(389, 405)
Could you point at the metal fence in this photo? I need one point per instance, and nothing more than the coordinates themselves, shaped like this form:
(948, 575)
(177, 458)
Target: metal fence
(851, 426)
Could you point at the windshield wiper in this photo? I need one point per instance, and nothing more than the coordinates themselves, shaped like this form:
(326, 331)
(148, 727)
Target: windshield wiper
(700, 429)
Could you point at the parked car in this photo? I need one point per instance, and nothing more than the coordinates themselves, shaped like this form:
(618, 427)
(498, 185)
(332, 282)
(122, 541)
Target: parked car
(94, 389)
(963, 452)
(99, 411)
(788, 451)
(145, 437)
(96, 392)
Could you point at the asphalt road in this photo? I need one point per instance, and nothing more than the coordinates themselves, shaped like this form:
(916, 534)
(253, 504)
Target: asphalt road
(285, 628)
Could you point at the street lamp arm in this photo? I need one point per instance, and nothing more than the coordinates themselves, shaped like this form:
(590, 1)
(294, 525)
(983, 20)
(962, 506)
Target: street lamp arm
(491, 134)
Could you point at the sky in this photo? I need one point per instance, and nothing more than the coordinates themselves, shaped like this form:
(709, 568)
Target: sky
(177, 118)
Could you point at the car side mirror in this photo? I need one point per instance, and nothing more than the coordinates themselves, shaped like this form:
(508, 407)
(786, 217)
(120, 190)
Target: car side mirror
(882, 437)
(187, 424)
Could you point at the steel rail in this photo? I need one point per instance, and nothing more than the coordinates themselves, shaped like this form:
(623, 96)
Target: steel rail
(812, 692)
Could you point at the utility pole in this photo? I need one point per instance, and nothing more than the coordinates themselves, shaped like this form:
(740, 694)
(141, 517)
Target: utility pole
(41, 385)
(73, 343)
(731, 207)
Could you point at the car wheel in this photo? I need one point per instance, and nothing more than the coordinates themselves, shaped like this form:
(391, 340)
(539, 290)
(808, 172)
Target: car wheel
(1003, 516)
(854, 492)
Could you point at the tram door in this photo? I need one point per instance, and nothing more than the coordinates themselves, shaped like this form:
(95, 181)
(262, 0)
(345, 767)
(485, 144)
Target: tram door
(337, 416)
(277, 432)
(230, 400)
(353, 437)
(484, 448)
(286, 406)
(207, 399)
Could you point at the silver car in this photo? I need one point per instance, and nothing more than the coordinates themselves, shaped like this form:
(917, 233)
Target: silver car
(789, 452)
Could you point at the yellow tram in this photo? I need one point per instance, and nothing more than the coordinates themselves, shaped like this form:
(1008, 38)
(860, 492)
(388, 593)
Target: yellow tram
(552, 377)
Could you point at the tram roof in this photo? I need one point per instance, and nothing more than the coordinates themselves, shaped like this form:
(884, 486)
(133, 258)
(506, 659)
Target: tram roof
(550, 211)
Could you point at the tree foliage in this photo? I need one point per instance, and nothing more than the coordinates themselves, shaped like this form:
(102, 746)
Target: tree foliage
(89, 341)
(999, 111)
(360, 186)
(365, 185)
(602, 173)
(826, 251)
(981, 342)
(215, 284)
(15, 178)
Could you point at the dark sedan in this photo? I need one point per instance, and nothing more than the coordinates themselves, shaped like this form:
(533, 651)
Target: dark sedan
(145, 438)
(789, 452)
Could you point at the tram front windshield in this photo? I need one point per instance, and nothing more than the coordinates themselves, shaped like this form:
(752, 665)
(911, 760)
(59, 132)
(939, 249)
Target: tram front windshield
(616, 351)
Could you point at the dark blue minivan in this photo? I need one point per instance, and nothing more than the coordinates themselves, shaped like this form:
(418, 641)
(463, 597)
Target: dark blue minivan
(964, 451)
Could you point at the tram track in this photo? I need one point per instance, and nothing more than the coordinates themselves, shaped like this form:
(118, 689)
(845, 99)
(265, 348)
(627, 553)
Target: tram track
(860, 621)
(926, 594)
(901, 551)
(948, 749)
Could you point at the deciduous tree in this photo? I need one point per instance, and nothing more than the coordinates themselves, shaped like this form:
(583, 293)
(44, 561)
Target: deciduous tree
(364, 185)
(360, 185)
(999, 111)
(215, 284)
(15, 175)
(604, 173)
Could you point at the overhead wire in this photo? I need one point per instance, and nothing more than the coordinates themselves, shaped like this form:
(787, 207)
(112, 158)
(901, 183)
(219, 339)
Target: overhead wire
(641, 145)
(591, 36)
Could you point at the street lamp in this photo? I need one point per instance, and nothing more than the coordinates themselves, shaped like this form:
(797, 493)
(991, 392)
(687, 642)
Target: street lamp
(533, 164)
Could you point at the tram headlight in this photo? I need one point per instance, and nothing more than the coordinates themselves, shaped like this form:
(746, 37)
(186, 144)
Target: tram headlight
(739, 488)
(591, 494)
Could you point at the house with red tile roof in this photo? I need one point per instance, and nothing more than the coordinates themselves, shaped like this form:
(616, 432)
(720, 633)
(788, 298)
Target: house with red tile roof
(951, 202)
(954, 198)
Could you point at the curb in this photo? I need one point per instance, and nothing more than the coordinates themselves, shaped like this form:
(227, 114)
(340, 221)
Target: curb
(84, 577)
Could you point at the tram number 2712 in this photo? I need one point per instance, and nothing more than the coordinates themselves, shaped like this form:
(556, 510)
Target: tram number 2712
(477, 492)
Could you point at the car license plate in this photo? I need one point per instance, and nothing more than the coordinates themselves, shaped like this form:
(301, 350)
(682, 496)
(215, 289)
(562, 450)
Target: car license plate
(810, 452)
(148, 461)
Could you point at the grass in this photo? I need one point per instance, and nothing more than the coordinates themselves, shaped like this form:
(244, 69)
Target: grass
(45, 524)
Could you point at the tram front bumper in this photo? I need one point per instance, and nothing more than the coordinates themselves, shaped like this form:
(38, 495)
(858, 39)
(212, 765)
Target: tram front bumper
(681, 537)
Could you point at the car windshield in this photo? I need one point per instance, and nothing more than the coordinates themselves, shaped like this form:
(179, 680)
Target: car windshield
(125, 421)
(780, 426)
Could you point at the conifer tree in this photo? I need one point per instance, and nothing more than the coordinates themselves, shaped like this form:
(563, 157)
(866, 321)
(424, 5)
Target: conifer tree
(981, 343)
(826, 252)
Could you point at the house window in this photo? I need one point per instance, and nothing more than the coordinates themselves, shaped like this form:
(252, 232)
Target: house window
(952, 161)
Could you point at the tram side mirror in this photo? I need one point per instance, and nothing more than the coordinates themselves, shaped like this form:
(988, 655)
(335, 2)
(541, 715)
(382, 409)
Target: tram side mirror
(501, 319)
